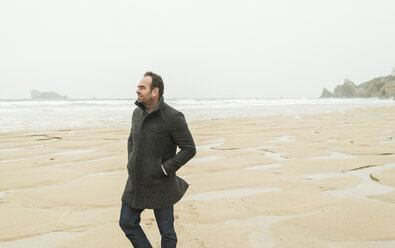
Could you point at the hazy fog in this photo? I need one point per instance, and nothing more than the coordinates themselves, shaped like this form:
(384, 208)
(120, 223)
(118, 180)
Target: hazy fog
(201, 48)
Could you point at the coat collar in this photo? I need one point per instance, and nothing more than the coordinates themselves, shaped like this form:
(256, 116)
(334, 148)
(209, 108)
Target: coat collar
(160, 103)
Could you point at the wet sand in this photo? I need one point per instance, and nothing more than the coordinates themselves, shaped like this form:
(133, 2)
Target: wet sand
(322, 181)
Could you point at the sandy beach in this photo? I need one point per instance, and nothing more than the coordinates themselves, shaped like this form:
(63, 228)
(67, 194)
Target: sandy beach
(286, 181)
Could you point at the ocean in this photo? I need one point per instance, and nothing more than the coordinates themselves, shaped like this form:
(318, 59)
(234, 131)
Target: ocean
(56, 114)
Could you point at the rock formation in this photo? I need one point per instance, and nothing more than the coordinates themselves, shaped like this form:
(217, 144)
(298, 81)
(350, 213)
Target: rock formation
(326, 94)
(347, 90)
(381, 87)
(46, 95)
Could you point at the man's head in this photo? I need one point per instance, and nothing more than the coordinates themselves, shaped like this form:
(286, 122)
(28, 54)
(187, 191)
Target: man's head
(157, 82)
(150, 89)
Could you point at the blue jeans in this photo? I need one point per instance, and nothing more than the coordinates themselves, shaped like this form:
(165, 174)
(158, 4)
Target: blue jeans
(130, 224)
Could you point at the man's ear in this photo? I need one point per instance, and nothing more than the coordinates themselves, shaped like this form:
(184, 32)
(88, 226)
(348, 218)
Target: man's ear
(156, 91)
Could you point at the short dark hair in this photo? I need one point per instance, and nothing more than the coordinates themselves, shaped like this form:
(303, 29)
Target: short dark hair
(156, 82)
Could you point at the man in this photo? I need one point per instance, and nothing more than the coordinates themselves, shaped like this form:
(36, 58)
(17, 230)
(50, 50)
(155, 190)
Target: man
(157, 130)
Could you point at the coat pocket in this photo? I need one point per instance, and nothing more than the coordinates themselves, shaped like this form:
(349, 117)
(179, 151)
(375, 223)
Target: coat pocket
(156, 169)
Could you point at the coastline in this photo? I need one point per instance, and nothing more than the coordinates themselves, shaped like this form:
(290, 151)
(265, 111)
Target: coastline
(310, 180)
(56, 114)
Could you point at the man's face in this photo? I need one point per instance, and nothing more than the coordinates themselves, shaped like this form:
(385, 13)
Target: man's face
(144, 93)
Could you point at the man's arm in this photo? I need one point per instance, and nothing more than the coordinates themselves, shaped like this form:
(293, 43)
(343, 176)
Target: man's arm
(130, 139)
(130, 144)
(183, 139)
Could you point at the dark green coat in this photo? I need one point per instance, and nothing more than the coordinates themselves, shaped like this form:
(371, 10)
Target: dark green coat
(153, 141)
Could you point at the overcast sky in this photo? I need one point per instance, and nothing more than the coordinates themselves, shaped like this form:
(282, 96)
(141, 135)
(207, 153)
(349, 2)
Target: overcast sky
(202, 49)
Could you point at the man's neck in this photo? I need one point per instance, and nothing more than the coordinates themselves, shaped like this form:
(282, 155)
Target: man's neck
(151, 106)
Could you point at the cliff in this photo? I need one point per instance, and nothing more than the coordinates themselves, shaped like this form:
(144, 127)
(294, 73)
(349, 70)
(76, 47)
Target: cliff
(382, 87)
(46, 95)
